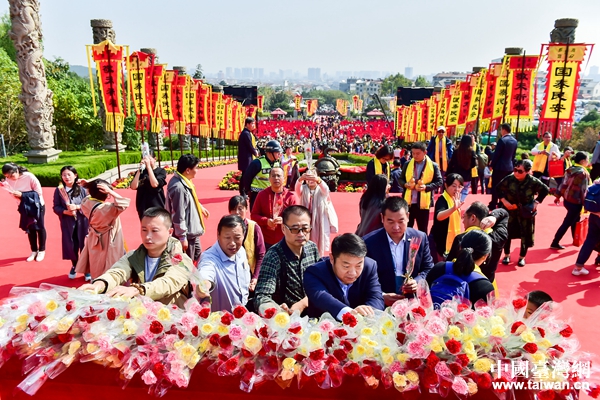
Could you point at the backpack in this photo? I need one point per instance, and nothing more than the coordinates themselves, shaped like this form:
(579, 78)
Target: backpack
(450, 285)
(592, 199)
(482, 161)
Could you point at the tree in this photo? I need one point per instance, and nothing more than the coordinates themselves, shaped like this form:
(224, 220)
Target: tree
(281, 100)
(198, 74)
(326, 96)
(5, 40)
(390, 84)
(591, 117)
(421, 81)
(12, 119)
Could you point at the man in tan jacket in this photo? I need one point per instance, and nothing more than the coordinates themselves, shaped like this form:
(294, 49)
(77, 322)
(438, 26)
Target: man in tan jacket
(158, 269)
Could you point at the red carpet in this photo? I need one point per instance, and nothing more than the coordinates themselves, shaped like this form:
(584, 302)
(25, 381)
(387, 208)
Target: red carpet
(546, 269)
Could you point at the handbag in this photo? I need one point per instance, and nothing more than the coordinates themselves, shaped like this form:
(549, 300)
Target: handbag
(556, 168)
(581, 231)
(527, 211)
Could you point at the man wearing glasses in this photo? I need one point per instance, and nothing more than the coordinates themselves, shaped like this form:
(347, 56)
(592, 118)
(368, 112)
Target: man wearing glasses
(282, 271)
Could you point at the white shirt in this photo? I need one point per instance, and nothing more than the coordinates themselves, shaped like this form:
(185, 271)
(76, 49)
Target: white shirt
(397, 254)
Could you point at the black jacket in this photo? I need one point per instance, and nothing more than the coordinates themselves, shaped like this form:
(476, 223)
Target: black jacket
(30, 209)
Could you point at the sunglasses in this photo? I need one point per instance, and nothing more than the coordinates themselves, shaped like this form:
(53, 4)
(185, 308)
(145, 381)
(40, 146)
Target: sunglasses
(295, 231)
(520, 171)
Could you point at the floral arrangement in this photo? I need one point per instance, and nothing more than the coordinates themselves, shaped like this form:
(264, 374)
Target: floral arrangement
(410, 347)
(351, 187)
(231, 181)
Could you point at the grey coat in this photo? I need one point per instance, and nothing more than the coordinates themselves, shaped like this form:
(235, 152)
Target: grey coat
(68, 223)
(181, 204)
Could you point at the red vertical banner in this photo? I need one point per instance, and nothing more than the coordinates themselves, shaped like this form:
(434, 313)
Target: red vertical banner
(520, 106)
(109, 66)
(465, 88)
(298, 102)
(260, 102)
(178, 103)
(355, 99)
(424, 120)
(489, 100)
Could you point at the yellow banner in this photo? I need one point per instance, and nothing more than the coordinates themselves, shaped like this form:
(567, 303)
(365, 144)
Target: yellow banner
(477, 94)
(556, 52)
(442, 110)
(164, 95)
(220, 112)
(190, 114)
(561, 85)
(137, 78)
(454, 107)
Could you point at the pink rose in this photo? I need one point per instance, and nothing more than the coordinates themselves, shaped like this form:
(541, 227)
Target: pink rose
(442, 369)
(416, 349)
(149, 378)
(36, 309)
(424, 338)
(396, 367)
(411, 328)
(484, 312)
(437, 326)
(460, 386)
(104, 344)
(236, 333)
(250, 319)
(447, 312)
(181, 380)
(177, 367)
(193, 306)
(400, 309)
(169, 340)
(28, 337)
(469, 317)
(146, 336)
(188, 321)
(326, 326)
(154, 306)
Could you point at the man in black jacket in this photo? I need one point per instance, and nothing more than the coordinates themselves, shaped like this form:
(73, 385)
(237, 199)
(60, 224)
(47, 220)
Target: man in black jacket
(494, 223)
(503, 161)
(247, 145)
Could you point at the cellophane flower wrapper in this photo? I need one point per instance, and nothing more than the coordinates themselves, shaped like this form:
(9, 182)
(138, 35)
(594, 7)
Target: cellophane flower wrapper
(411, 347)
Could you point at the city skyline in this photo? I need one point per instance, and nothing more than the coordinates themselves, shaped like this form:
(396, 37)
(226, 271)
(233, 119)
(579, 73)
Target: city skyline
(386, 35)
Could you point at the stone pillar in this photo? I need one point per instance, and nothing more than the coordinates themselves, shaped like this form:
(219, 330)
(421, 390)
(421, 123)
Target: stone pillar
(216, 134)
(26, 34)
(513, 51)
(564, 30)
(102, 30)
(184, 139)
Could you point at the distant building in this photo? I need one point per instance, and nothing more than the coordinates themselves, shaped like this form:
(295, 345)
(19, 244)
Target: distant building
(259, 73)
(447, 78)
(246, 73)
(229, 72)
(314, 74)
(589, 90)
(408, 72)
(220, 76)
(237, 73)
(366, 87)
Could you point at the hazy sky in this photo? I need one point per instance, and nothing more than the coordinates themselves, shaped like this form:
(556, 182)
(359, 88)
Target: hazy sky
(349, 35)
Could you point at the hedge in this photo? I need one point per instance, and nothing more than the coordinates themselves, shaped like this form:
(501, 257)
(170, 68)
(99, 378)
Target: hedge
(93, 163)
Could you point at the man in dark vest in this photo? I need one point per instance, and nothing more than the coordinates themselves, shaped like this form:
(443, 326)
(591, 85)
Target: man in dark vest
(256, 177)
(247, 145)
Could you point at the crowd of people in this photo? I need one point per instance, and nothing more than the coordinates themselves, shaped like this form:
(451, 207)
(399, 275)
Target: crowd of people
(274, 246)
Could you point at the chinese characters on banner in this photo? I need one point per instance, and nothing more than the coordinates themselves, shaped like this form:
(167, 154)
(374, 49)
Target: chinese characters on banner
(489, 104)
(521, 100)
(260, 101)
(139, 64)
(355, 99)
(109, 66)
(298, 102)
(564, 63)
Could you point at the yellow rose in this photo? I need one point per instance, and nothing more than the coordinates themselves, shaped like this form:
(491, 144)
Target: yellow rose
(129, 327)
(20, 328)
(252, 343)
(91, 348)
(367, 331)
(51, 305)
(194, 361)
(203, 346)
(22, 319)
(214, 317)
(385, 350)
(496, 320)
(207, 329)
(538, 358)
(468, 346)
(74, 346)
(467, 336)
(163, 314)
(454, 332)
(400, 380)
(528, 336)
(485, 345)
(1, 322)
(412, 377)
(479, 332)
(471, 355)
(359, 350)
(387, 360)
(498, 331)
(402, 357)
(545, 343)
(64, 324)
(369, 352)
(187, 352)
(178, 344)
(289, 363)
(282, 319)
(388, 324)
(315, 338)
(223, 329)
(137, 312)
(472, 387)
(482, 365)
(435, 346)
(384, 331)
(372, 343)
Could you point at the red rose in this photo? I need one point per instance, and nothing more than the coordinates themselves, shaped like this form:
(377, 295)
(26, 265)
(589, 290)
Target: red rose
(91, 320)
(418, 311)
(558, 348)
(462, 307)
(351, 368)
(567, 332)
(127, 315)
(156, 327)
(484, 381)
(340, 332)
(295, 329)
(70, 305)
(239, 311)
(225, 341)
(594, 392)
(329, 343)
(541, 331)
(516, 326)
(462, 359)
(195, 330)
(499, 387)
(456, 368)
(519, 303)
(158, 369)
(546, 395)
(214, 339)
(65, 337)
(430, 378)
(139, 341)
(204, 313)
(227, 318)
(320, 376)
(246, 353)
(453, 346)
(331, 360)
(112, 314)
(269, 312)
(366, 370)
(432, 360)
(340, 354)
(299, 357)
(176, 259)
(271, 345)
(316, 355)
(264, 331)
(400, 337)
(349, 319)
(346, 345)
(273, 362)
(231, 364)
(413, 363)
(531, 348)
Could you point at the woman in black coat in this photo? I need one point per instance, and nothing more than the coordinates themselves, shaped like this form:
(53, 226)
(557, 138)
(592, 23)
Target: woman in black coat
(73, 224)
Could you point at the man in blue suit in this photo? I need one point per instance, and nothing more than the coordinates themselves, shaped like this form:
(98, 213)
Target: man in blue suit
(503, 161)
(390, 248)
(347, 282)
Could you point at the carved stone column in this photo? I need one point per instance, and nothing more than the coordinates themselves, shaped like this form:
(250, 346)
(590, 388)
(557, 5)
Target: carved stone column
(564, 30)
(102, 30)
(26, 34)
